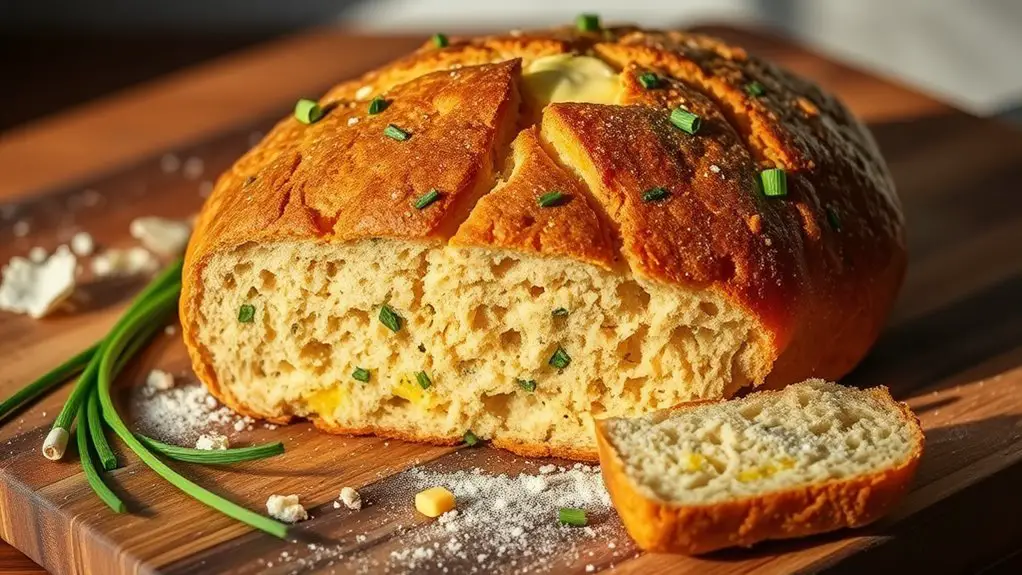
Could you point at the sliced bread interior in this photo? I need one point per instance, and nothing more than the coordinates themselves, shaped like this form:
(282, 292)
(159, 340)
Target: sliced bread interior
(813, 457)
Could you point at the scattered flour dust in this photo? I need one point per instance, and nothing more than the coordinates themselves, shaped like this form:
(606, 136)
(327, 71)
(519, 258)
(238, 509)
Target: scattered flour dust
(181, 414)
(502, 524)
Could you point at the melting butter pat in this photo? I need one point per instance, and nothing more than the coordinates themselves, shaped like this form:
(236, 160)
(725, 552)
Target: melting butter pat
(570, 78)
(325, 401)
(409, 389)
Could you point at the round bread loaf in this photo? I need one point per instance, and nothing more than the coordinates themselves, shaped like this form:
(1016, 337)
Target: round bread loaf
(517, 238)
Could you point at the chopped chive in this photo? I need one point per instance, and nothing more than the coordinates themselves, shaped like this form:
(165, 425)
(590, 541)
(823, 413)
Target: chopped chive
(389, 318)
(440, 40)
(527, 384)
(215, 457)
(685, 121)
(587, 22)
(560, 359)
(395, 133)
(649, 80)
(774, 183)
(377, 105)
(655, 194)
(361, 374)
(427, 199)
(551, 199)
(755, 89)
(572, 516)
(423, 379)
(470, 438)
(833, 218)
(560, 312)
(308, 111)
(246, 313)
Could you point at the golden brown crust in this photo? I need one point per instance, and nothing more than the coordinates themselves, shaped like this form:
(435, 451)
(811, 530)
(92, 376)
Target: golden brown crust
(660, 526)
(818, 269)
(510, 216)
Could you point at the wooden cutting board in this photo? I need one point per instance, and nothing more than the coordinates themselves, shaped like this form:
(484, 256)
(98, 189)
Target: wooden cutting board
(953, 348)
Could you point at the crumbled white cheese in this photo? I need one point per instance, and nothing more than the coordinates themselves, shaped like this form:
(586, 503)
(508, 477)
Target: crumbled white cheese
(286, 508)
(128, 262)
(163, 236)
(212, 441)
(363, 92)
(82, 244)
(351, 498)
(337, 504)
(37, 254)
(352, 120)
(37, 289)
(159, 380)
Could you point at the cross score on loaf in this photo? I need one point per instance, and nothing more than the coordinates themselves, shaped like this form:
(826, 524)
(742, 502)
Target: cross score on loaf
(695, 295)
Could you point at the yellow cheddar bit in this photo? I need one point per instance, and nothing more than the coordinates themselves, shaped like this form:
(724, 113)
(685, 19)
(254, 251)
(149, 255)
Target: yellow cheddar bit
(785, 463)
(752, 474)
(324, 401)
(570, 78)
(409, 389)
(695, 461)
(434, 501)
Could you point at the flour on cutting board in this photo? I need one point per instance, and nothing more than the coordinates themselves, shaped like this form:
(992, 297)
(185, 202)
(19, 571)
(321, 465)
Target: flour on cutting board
(182, 413)
(502, 524)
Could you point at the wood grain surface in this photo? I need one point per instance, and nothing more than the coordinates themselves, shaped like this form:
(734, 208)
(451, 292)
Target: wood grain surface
(953, 348)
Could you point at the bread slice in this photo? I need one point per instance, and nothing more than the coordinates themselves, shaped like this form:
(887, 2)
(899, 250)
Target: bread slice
(811, 458)
(662, 271)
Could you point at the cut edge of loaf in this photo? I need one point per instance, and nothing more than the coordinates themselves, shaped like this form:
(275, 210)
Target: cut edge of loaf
(798, 510)
(476, 321)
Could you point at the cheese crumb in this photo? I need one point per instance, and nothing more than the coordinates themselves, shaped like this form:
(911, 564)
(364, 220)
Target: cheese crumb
(352, 120)
(159, 380)
(82, 244)
(351, 498)
(212, 441)
(37, 254)
(337, 504)
(363, 92)
(286, 508)
(434, 502)
(37, 289)
(161, 235)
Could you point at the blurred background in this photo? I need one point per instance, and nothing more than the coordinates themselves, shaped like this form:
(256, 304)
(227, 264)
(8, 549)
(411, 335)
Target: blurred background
(57, 53)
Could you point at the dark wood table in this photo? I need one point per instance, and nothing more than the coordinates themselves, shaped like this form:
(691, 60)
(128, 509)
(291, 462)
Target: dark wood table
(964, 273)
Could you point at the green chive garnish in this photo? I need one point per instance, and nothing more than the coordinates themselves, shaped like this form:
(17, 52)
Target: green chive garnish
(774, 183)
(559, 312)
(360, 375)
(308, 111)
(655, 195)
(588, 22)
(395, 133)
(685, 121)
(833, 218)
(427, 199)
(377, 105)
(470, 438)
(527, 384)
(440, 40)
(246, 313)
(560, 359)
(572, 516)
(755, 89)
(215, 457)
(551, 199)
(389, 318)
(423, 379)
(649, 80)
